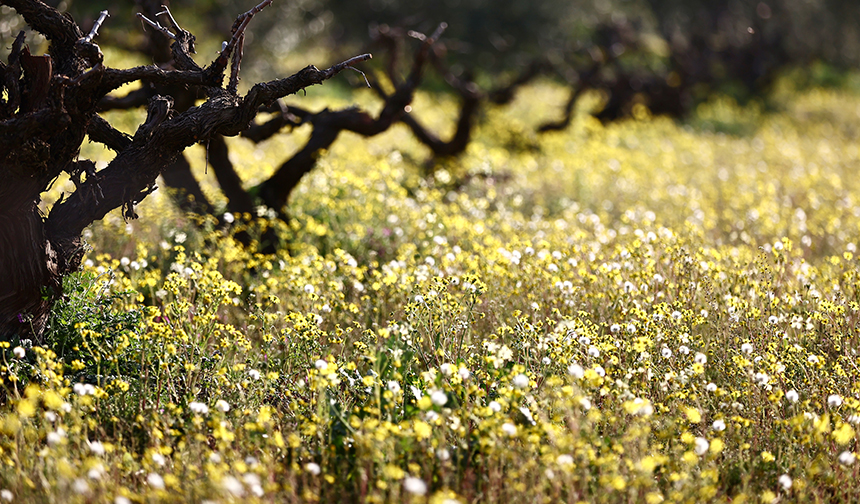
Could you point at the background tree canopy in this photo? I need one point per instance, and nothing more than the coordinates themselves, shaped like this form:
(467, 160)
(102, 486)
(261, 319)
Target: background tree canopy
(676, 52)
(499, 35)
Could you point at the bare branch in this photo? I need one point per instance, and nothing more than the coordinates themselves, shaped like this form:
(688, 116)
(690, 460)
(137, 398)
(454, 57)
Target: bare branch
(391, 39)
(432, 38)
(238, 30)
(102, 132)
(268, 92)
(586, 80)
(178, 175)
(134, 99)
(98, 24)
(335, 69)
(243, 19)
(504, 95)
(173, 22)
(234, 70)
(421, 56)
(114, 78)
(159, 142)
(462, 135)
(156, 25)
(292, 116)
(362, 74)
(238, 200)
(567, 117)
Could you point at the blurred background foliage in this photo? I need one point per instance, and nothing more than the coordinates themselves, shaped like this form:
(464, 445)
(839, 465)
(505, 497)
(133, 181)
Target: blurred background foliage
(731, 46)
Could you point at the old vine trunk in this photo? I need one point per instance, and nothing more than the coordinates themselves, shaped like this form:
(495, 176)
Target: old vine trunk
(50, 103)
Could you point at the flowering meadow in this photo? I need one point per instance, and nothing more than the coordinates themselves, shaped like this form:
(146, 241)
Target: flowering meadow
(644, 311)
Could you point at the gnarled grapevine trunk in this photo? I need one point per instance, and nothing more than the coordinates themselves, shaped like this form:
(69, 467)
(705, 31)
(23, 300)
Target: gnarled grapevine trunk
(48, 104)
(28, 272)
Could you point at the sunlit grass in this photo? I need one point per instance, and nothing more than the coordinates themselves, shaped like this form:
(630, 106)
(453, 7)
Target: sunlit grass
(643, 312)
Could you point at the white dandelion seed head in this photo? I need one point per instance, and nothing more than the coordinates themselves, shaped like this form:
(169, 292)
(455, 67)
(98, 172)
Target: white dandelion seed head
(95, 473)
(439, 398)
(198, 408)
(521, 381)
(564, 460)
(56, 437)
(576, 371)
(80, 486)
(415, 486)
(158, 459)
(96, 447)
(233, 486)
(83, 389)
(155, 481)
(464, 373)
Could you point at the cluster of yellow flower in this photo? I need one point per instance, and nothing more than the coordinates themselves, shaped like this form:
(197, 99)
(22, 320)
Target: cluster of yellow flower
(641, 312)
